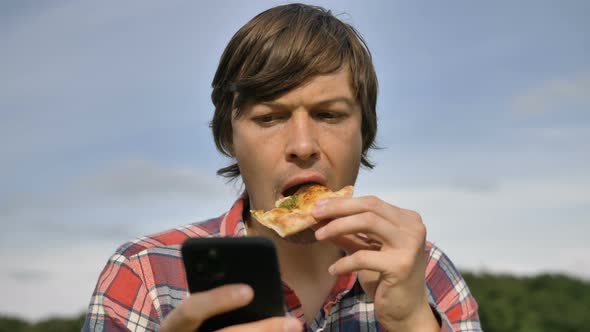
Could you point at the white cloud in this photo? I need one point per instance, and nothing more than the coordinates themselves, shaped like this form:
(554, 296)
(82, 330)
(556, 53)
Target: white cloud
(568, 135)
(128, 199)
(126, 182)
(555, 95)
(522, 226)
(49, 281)
(140, 178)
(516, 194)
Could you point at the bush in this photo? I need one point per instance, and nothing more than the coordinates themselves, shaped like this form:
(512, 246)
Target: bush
(12, 324)
(547, 302)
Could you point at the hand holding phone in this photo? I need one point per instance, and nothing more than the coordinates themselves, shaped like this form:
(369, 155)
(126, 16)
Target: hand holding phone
(198, 307)
(211, 263)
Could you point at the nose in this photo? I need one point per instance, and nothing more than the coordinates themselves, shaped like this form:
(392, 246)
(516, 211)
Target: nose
(302, 138)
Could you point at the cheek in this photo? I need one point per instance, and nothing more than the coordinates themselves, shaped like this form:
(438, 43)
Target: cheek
(245, 154)
(355, 149)
(344, 152)
(254, 159)
(350, 148)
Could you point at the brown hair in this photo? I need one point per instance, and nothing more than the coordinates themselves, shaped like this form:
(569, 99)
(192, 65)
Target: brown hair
(279, 50)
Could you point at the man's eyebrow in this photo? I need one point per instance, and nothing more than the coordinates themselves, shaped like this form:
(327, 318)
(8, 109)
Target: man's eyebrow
(276, 104)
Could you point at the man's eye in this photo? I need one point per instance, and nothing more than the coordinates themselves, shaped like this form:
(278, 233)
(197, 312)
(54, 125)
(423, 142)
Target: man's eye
(267, 119)
(330, 115)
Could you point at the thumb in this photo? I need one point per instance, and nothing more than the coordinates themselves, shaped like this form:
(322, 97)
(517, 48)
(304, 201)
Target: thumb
(198, 307)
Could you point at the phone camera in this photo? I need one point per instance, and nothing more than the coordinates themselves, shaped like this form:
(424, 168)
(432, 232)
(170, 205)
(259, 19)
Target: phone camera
(212, 253)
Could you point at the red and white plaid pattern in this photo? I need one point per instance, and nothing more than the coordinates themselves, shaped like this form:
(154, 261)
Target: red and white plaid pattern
(145, 279)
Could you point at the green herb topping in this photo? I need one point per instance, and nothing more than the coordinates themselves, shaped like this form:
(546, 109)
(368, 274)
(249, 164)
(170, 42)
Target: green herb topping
(289, 203)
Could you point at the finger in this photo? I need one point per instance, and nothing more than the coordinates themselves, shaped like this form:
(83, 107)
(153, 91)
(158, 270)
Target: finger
(368, 223)
(339, 207)
(319, 225)
(350, 243)
(361, 260)
(354, 243)
(192, 311)
(369, 241)
(287, 324)
(418, 224)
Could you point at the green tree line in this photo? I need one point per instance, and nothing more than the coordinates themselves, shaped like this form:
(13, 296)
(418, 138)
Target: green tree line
(543, 303)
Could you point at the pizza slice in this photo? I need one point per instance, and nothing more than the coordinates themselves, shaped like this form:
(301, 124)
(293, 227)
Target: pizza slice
(292, 214)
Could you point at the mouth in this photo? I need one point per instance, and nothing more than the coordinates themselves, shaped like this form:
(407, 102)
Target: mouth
(292, 190)
(298, 183)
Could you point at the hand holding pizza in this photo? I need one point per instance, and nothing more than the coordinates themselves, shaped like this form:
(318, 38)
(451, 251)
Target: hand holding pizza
(385, 245)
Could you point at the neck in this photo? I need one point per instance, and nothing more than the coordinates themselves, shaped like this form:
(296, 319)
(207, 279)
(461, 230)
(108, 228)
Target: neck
(299, 263)
(304, 267)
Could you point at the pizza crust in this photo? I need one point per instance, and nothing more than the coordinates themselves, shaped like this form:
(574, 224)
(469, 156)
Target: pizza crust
(288, 221)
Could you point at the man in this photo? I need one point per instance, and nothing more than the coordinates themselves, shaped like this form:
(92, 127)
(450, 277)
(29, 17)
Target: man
(295, 96)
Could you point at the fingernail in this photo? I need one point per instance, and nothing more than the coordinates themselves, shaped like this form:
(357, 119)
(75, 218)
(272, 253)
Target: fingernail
(318, 209)
(331, 270)
(243, 292)
(320, 202)
(319, 234)
(292, 325)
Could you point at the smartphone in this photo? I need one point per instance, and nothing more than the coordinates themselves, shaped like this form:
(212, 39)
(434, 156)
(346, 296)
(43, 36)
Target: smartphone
(213, 262)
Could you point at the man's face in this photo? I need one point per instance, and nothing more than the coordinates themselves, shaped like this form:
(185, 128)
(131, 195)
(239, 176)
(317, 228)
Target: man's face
(311, 134)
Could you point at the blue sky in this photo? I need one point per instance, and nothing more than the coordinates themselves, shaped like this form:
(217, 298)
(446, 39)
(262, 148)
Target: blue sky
(484, 114)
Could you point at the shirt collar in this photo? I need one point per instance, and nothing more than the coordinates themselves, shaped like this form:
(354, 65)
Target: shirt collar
(233, 222)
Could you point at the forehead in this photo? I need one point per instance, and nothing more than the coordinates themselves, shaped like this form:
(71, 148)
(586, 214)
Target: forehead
(336, 87)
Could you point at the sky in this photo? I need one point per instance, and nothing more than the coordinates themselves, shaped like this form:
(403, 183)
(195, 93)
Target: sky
(484, 124)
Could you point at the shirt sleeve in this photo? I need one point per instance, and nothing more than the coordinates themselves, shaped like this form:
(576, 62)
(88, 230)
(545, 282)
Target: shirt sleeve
(121, 300)
(449, 294)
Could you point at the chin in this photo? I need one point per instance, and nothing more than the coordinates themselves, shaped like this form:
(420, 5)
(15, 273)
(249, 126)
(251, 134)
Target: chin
(304, 237)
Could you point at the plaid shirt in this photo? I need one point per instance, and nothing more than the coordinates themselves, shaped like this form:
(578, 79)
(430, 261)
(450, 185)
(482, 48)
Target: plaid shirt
(145, 279)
